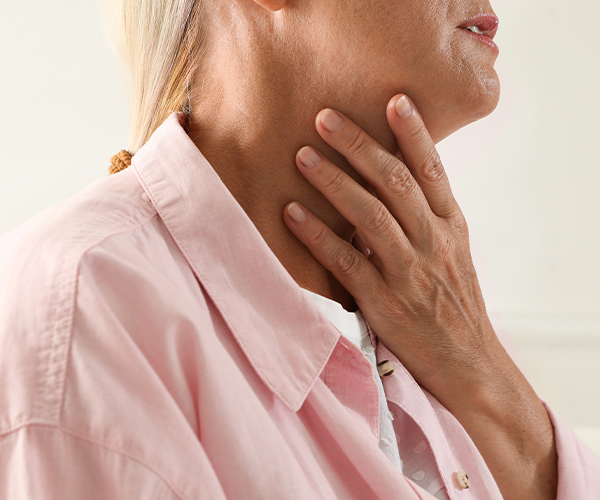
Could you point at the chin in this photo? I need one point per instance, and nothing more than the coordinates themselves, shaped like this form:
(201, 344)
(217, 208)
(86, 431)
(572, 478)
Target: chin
(469, 105)
(480, 102)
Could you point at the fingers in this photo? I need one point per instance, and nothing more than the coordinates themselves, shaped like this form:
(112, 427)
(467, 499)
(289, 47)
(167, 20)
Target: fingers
(410, 197)
(359, 207)
(404, 190)
(421, 156)
(392, 180)
(350, 267)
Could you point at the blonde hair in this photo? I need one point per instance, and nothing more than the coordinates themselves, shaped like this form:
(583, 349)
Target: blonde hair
(159, 43)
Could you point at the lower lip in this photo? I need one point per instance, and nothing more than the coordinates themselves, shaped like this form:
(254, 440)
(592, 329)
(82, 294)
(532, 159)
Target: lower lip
(483, 39)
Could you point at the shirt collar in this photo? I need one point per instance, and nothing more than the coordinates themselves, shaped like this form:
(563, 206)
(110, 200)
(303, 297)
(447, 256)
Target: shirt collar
(286, 338)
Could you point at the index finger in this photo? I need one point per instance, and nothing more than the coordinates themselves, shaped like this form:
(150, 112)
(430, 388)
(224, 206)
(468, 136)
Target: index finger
(421, 156)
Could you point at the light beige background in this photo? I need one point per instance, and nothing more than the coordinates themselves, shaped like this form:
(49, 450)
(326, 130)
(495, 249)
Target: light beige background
(527, 177)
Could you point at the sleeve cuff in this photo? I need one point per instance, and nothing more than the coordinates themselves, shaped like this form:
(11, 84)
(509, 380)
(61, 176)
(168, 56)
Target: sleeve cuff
(578, 466)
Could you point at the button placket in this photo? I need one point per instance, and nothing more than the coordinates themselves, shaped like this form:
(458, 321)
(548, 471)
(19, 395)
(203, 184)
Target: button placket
(419, 407)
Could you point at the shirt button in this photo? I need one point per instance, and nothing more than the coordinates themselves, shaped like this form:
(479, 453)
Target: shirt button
(463, 479)
(386, 441)
(421, 447)
(385, 368)
(419, 475)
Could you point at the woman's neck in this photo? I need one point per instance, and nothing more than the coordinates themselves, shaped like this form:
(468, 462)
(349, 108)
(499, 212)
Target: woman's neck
(250, 128)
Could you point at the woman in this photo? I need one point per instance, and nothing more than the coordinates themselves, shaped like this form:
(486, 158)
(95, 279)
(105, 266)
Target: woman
(276, 299)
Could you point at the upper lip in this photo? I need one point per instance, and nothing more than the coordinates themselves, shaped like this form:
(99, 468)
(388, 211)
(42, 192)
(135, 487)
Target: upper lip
(486, 23)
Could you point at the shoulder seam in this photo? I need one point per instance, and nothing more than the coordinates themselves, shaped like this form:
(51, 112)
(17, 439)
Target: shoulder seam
(70, 312)
(89, 440)
(62, 327)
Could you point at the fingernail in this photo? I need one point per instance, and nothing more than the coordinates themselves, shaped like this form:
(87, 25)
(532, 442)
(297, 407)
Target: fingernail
(403, 107)
(309, 157)
(331, 120)
(296, 213)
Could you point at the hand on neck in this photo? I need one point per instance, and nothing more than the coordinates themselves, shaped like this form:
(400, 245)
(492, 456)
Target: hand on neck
(250, 116)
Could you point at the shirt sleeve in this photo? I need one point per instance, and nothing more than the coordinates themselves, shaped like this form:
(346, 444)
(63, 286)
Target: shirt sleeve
(578, 466)
(41, 462)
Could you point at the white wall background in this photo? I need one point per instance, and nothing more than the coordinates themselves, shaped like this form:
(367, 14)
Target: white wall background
(527, 177)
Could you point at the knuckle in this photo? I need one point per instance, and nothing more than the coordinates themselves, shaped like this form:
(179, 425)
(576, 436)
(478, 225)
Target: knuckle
(417, 133)
(321, 239)
(377, 217)
(432, 169)
(358, 145)
(448, 245)
(398, 179)
(347, 261)
(427, 226)
(334, 181)
(444, 246)
(461, 226)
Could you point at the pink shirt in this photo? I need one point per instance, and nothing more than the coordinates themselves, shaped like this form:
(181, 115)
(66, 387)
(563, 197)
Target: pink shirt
(153, 347)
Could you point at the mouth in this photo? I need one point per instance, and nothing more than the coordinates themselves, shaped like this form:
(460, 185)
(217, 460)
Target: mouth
(482, 27)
